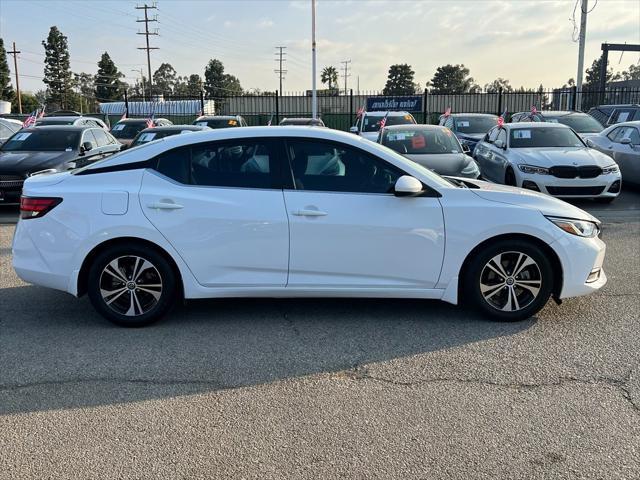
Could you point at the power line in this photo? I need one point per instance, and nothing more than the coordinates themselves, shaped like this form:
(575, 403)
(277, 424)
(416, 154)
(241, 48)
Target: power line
(146, 33)
(346, 73)
(279, 70)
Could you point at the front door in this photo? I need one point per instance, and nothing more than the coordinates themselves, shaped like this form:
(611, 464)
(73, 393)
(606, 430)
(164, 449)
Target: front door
(349, 230)
(221, 207)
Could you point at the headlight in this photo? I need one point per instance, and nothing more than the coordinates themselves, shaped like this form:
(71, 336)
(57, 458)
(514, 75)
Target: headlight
(470, 169)
(610, 169)
(533, 169)
(581, 228)
(40, 172)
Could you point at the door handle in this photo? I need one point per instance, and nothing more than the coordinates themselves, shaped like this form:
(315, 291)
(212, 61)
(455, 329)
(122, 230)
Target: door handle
(164, 206)
(309, 213)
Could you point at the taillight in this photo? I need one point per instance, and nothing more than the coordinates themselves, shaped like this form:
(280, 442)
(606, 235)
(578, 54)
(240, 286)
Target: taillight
(35, 207)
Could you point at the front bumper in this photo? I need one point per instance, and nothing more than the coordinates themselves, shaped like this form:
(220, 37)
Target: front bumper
(602, 186)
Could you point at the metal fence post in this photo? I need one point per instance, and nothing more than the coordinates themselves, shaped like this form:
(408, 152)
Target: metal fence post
(202, 102)
(574, 98)
(424, 107)
(126, 102)
(500, 101)
(277, 108)
(350, 106)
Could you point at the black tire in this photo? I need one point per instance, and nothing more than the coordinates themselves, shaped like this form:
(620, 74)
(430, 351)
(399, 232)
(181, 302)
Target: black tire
(510, 178)
(151, 302)
(478, 276)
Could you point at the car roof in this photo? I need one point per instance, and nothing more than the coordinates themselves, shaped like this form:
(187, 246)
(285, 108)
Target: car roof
(471, 115)
(11, 120)
(534, 125)
(64, 117)
(387, 113)
(138, 120)
(633, 123)
(415, 126)
(61, 127)
(169, 128)
(218, 117)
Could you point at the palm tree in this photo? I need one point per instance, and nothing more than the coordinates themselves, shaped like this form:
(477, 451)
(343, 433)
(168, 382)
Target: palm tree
(329, 75)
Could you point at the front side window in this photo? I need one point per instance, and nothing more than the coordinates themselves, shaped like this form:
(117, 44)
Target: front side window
(421, 141)
(613, 134)
(43, 141)
(493, 135)
(502, 136)
(544, 137)
(101, 137)
(333, 167)
(625, 132)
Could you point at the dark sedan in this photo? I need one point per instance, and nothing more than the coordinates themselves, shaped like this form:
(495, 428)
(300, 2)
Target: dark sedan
(51, 148)
(156, 133)
(431, 146)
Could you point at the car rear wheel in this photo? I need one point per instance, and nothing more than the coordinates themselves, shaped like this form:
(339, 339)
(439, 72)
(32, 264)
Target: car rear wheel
(510, 280)
(131, 286)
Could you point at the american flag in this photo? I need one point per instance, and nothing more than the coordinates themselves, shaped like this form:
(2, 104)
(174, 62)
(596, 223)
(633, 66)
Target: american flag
(31, 119)
(383, 122)
(150, 121)
(124, 116)
(41, 113)
(447, 112)
(360, 112)
(501, 118)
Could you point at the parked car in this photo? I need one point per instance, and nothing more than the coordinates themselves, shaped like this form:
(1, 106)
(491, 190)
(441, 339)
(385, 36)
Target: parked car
(469, 127)
(126, 130)
(7, 128)
(69, 120)
(213, 214)
(314, 122)
(368, 124)
(51, 148)
(156, 133)
(431, 146)
(622, 143)
(583, 124)
(611, 114)
(549, 158)
(220, 121)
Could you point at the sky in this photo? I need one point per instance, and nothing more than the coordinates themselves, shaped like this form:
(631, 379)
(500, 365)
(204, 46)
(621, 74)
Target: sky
(527, 42)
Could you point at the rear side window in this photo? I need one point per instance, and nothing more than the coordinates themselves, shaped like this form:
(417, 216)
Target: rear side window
(242, 163)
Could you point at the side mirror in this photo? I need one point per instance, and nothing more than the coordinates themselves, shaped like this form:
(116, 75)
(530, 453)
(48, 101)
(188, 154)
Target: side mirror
(625, 141)
(353, 129)
(85, 147)
(589, 143)
(466, 149)
(407, 186)
(499, 144)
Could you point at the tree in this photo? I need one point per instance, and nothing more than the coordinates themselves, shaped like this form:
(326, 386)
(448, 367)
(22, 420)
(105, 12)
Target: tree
(165, 79)
(632, 74)
(84, 83)
(220, 84)
(592, 74)
(329, 75)
(108, 85)
(6, 91)
(497, 84)
(400, 80)
(452, 79)
(30, 102)
(188, 86)
(57, 74)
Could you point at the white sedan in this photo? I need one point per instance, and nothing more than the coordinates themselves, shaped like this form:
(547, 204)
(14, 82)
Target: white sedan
(252, 212)
(549, 158)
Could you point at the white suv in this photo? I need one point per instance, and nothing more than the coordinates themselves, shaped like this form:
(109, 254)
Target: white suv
(368, 124)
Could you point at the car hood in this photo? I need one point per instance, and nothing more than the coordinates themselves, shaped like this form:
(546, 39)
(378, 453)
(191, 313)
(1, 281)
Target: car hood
(28, 162)
(476, 137)
(552, 156)
(521, 197)
(443, 164)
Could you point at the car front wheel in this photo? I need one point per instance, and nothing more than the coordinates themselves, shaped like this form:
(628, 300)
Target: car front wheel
(131, 286)
(510, 280)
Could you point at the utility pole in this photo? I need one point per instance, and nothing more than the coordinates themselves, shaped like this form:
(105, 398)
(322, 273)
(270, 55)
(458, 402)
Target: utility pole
(280, 71)
(15, 53)
(146, 33)
(581, 41)
(314, 93)
(346, 73)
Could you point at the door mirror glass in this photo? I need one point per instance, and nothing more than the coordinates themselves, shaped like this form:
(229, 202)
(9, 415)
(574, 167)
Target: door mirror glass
(353, 129)
(499, 144)
(85, 147)
(625, 141)
(407, 186)
(466, 149)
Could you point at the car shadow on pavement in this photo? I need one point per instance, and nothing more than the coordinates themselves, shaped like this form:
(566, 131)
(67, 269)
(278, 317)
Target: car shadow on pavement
(57, 353)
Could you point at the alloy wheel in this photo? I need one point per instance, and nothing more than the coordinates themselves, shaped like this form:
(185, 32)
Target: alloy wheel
(510, 281)
(130, 285)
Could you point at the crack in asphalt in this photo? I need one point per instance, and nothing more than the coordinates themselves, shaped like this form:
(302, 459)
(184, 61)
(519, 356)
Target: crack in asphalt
(621, 384)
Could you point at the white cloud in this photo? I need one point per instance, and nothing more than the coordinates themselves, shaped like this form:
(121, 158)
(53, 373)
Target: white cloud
(265, 23)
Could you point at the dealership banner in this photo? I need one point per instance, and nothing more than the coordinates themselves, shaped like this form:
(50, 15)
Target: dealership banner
(411, 103)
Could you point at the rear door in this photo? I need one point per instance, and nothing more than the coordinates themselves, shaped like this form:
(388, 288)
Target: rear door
(220, 205)
(348, 229)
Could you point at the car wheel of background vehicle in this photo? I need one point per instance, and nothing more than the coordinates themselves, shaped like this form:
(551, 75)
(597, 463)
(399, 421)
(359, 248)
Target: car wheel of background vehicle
(131, 286)
(510, 178)
(510, 280)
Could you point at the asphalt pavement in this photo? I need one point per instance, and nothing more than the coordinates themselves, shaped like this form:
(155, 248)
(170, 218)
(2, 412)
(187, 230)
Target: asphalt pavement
(276, 388)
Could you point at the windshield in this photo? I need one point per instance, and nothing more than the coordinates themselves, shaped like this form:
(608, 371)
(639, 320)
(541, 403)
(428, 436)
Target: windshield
(475, 124)
(218, 123)
(544, 137)
(54, 122)
(127, 130)
(580, 123)
(146, 137)
(372, 123)
(421, 141)
(43, 141)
